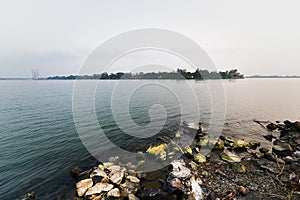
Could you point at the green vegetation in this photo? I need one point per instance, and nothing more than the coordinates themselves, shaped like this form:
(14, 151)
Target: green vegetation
(178, 74)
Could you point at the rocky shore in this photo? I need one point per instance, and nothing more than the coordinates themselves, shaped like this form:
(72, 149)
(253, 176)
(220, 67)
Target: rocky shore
(233, 169)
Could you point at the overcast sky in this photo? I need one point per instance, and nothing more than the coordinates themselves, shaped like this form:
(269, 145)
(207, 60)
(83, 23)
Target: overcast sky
(56, 36)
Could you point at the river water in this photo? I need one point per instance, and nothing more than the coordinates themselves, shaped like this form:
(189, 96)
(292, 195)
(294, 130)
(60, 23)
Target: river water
(39, 142)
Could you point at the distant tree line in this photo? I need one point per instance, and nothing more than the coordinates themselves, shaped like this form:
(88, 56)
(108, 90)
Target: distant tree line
(273, 76)
(178, 74)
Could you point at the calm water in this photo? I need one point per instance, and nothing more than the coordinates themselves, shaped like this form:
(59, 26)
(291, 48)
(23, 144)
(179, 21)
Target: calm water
(39, 142)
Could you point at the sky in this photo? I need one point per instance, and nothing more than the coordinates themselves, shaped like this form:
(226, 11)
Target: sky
(56, 37)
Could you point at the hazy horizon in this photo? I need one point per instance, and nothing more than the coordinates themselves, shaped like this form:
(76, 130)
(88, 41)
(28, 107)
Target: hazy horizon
(56, 37)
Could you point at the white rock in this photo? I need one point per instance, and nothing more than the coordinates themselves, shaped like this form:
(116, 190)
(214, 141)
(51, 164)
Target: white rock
(117, 177)
(83, 186)
(132, 197)
(107, 165)
(141, 162)
(114, 193)
(114, 159)
(114, 168)
(163, 155)
(133, 179)
(131, 166)
(196, 191)
(98, 172)
(99, 188)
(179, 169)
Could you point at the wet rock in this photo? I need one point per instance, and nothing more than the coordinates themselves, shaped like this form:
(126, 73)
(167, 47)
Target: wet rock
(141, 175)
(114, 193)
(297, 125)
(133, 179)
(163, 155)
(177, 134)
(28, 196)
(238, 168)
(272, 158)
(238, 144)
(141, 163)
(282, 150)
(202, 142)
(230, 157)
(155, 150)
(114, 159)
(140, 155)
(83, 186)
(199, 158)
(289, 159)
(228, 143)
(79, 174)
(263, 150)
(75, 172)
(99, 188)
(117, 177)
(269, 137)
(258, 155)
(254, 144)
(193, 165)
(288, 123)
(219, 146)
(188, 151)
(130, 166)
(272, 127)
(281, 142)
